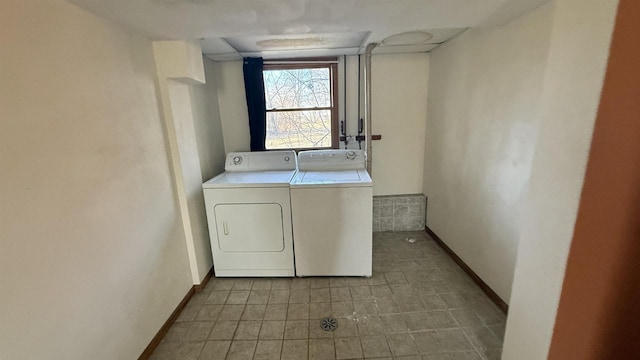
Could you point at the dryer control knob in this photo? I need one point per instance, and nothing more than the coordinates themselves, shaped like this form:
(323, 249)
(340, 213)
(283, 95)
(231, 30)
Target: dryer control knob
(286, 158)
(351, 155)
(237, 160)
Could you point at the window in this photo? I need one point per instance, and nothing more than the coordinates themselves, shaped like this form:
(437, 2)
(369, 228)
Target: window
(301, 104)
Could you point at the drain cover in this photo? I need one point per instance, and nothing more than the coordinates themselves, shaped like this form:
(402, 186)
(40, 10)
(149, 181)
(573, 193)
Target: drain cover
(328, 324)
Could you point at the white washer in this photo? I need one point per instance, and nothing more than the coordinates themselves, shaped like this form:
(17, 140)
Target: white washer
(332, 205)
(249, 215)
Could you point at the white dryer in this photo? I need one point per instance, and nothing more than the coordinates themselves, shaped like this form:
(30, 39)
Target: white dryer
(249, 215)
(332, 206)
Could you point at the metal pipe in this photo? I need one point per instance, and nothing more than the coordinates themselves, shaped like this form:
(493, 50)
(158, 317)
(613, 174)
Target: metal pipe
(367, 104)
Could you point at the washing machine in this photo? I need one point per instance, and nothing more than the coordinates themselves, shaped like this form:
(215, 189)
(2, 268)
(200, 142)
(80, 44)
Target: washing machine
(332, 210)
(249, 215)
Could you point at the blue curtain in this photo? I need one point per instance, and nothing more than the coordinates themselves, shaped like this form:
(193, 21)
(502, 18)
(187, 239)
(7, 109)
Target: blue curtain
(254, 90)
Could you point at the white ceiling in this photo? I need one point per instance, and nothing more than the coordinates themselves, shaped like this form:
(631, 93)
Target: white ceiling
(231, 29)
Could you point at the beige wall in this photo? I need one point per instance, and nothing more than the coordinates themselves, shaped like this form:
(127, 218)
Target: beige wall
(399, 85)
(481, 132)
(92, 252)
(233, 105)
(580, 38)
(399, 96)
(179, 66)
(208, 126)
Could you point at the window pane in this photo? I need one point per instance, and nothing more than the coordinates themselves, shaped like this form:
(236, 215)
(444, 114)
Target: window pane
(297, 88)
(298, 129)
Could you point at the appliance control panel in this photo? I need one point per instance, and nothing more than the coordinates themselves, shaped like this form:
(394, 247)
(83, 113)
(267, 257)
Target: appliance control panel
(331, 160)
(261, 161)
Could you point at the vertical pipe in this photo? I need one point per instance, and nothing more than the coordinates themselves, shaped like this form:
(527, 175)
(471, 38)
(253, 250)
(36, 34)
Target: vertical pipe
(367, 104)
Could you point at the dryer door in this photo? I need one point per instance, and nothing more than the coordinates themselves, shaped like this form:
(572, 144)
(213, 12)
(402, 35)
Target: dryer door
(249, 227)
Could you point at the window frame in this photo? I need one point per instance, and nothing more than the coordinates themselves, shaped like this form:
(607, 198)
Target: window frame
(312, 63)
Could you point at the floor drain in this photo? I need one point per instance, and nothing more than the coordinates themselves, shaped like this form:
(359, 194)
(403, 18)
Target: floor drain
(328, 324)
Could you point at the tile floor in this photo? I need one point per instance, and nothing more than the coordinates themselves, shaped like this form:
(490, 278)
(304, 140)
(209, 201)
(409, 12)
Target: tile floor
(417, 305)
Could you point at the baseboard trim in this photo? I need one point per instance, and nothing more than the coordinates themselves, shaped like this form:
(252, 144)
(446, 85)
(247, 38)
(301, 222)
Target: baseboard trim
(146, 354)
(485, 288)
(198, 288)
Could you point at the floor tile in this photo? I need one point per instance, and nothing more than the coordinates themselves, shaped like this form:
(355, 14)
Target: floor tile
(365, 307)
(346, 328)
(177, 350)
(258, 297)
(217, 297)
(437, 341)
(241, 350)
(342, 308)
(296, 329)
(242, 284)
(198, 331)
(465, 317)
(430, 320)
(254, 312)
(231, 312)
(402, 344)
(320, 295)
(215, 350)
(458, 355)
(209, 312)
(177, 331)
(279, 297)
(223, 284)
(298, 312)
(299, 296)
(340, 294)
(281, 284)
(482, 338)
(272, 330)
(190, 312)
(300, 283)
(418, 302)
(268, 350)
(295, 349)
(375, 346)
(318, 283)
(370, 325)
(261, 284)
(348, 348)
(276, 312)
(317, 332)
(223, 330)
(361, 292)
(394, 323)
(319, 310)
(248, 330)
(238, 297)
(321, 349)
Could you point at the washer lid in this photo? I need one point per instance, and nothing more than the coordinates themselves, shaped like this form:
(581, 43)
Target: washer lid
(250, 179)
(333, 178)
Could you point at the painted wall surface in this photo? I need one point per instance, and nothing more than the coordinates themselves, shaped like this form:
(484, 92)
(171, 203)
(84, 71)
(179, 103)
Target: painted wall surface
(177, 70)
(399, 96)
(399, 86)
(233, 105)
(208, 126)
(578, 53)
(181, 107)
(483, 119)
(598, 314)
(92, 254)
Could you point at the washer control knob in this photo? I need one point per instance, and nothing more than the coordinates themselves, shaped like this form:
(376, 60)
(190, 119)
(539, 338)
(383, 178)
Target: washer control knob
(351, 155)
(286, 158)
(237, 160)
